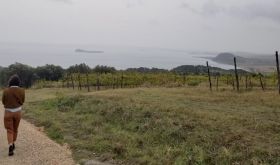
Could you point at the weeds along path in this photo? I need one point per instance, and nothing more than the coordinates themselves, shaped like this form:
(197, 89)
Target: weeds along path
(32, 148)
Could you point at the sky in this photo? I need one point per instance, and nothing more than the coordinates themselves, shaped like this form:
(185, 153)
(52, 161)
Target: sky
(204, 25)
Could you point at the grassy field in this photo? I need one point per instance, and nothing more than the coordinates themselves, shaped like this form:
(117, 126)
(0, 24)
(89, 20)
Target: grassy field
(161, 125)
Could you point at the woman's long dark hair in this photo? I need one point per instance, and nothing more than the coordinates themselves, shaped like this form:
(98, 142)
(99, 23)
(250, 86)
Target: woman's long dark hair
(14, 80)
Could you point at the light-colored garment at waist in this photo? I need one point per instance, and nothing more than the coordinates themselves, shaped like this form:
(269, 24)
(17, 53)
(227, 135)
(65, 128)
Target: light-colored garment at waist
(14, 109)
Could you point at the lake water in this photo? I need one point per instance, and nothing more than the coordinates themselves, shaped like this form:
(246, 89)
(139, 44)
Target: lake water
(120, 57)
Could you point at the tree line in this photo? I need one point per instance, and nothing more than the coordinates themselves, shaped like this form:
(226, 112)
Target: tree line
(29, 75)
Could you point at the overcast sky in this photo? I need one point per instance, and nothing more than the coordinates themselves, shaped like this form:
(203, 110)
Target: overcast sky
(206, 25)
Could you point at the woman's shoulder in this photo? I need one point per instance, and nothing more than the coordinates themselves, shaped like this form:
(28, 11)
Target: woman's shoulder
(15, 89)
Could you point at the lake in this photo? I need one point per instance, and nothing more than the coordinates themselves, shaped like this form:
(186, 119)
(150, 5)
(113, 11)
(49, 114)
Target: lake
(120, 57)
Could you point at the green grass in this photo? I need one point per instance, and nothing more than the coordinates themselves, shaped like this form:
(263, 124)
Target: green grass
(162, 125)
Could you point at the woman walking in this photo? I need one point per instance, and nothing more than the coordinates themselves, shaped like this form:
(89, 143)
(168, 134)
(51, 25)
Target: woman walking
(13, 99)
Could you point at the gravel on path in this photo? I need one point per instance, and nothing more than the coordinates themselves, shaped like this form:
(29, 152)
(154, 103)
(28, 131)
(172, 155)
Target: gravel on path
(33, 147)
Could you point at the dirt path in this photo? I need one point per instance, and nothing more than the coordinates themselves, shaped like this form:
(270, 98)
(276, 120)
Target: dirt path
(32, 148)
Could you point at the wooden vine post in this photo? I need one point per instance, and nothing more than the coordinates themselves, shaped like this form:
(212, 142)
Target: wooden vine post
(233, 84)
(209, 76)
(217, 82)
(278, 74)
(88, 88)
(236, 74)
(250, 82)
(113, 81)
(63, 81)
(79, 79)
(116, 82)
(246, 82)
(122, 81)
(227, 80)
(67, 79)
(184, 79)
(73, 85)
(261, 82)
(97, 82)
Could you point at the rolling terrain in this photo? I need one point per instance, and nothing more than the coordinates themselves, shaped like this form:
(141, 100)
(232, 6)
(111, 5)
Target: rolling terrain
(188, 125)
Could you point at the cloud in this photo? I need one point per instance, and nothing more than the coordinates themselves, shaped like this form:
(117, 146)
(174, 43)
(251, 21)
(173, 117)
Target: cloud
(154, 22)
(212, 8)
(257, 10)
(184, 5)
(253, 10)
(187, 6)
(64, 1)
(208, 8)
(133, 3)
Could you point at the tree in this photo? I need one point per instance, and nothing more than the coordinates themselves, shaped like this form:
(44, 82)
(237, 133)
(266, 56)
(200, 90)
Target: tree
(104, 69)
(81, 68)
(49, 72)
(25, 72)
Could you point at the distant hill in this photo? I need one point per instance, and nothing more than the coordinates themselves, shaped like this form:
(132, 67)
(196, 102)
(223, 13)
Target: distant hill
(252, 63)
(227, 58)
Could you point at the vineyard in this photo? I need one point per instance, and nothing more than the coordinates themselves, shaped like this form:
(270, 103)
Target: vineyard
(96, 81)
(205, 117)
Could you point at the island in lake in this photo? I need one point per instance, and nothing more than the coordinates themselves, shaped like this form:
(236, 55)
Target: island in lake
(87, 51)
(250, 62)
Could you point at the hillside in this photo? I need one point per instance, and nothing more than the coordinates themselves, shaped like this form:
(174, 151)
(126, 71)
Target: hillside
(255, 63)
(227, 58)
(161, 125)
